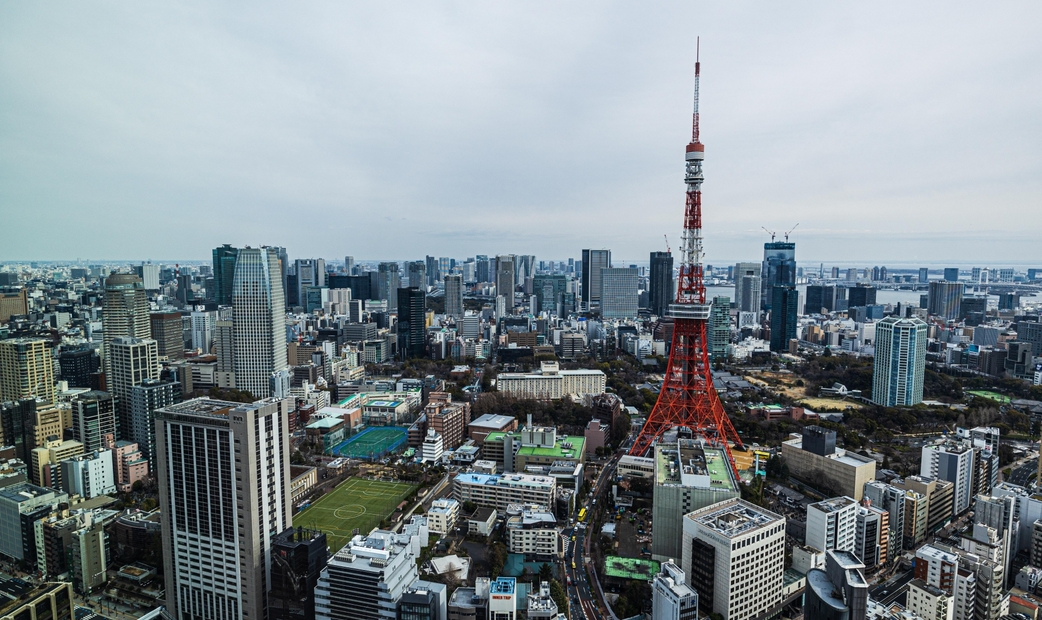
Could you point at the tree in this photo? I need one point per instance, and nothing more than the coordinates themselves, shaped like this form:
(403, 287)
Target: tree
(545, 572)
(558, 594)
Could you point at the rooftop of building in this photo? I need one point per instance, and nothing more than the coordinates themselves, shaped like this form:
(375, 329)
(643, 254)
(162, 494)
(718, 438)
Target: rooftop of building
(843, 456)
(466, 597)
(818, 581)
(483, 514)
(503, 585)
(734, 517)
(22, 491)
(202, 407)
(630, 568)
(491, 420)
(566, 447)
(833, 504)
(497, 479)
(325, 423)
(688, 463)
(925, 587)
(934, 553)
(443, 505)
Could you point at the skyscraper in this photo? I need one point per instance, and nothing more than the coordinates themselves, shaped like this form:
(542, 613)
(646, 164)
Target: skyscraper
(900, 362)
(349, 265)
(133, 361)
(223, 273)
(432, 270)
(861, 296)
(747, 283)
(951, 274)
(924, 275)
(505, 282)
(661, 289)
(454, 295)
(417, 274)
(125, 313)
(388, 282)
(779, 268)
(26, 369)
(945, 299)
(820, 297)
(259, 320)
(618, 292)
(412, 329)
(784, 310)
(219, 518)
(145, 398)
(592, 263)
(311, 272)
(367, 578)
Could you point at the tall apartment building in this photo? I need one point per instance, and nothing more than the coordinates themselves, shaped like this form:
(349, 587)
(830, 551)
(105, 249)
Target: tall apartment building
(892, 500)
(719, 329)
(26, 369)
(618, 291)
(688, 476)
(832, 524)
(661, 287)
(533, 533)
(77, 364)
(900, 362)
(218, 520)
(93, 416)
(671, 597)
(734, 557)
(45, 461)
(454, 295)
(125, 313)
(593, 261)
(747, 283)
(366, 579)
(144, 400)
(132, 361)
(168, 333)
(940, 496)
(149, 275)
(259, 320)
(89, 475)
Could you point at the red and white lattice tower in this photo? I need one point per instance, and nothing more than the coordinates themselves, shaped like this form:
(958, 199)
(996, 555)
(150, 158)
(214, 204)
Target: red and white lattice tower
(688, 398)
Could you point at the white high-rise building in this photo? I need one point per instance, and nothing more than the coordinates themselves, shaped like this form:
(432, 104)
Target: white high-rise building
(454, 295)
(671, 597)
(433, 447)
(366, 579)
(224, 489)
(954, 463)
(734, 557)
(259, 319)
(125, 313)
(132, 361)
(203, 325)
(900, 362)
(832, 524)
(89, 475)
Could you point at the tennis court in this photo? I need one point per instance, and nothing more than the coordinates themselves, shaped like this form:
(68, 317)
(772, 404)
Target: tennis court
(356, 503)
(372, 443)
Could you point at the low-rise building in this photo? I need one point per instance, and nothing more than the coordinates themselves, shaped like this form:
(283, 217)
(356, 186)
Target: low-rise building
(442, 516)
(814, 458)
(500, 490)
(551, 383)
(479, 428)
(532, 531)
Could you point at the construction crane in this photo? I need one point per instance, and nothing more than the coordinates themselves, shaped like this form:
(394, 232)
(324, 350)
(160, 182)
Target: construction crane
(769, 232)
(668, 250)
(790, 230)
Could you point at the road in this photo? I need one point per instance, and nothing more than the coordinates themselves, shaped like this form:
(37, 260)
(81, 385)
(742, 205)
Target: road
(583, 601)
(890, 590)
(1022, 475)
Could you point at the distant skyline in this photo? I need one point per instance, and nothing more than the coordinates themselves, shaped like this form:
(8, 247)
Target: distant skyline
(893, 133)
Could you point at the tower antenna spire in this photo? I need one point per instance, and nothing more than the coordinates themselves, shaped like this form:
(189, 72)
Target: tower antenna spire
(687, 398)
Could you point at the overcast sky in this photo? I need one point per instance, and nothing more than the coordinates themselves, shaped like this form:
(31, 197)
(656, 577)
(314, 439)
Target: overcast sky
(890, 131)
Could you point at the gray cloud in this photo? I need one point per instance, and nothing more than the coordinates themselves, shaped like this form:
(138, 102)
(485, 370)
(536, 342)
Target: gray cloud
(890, 132)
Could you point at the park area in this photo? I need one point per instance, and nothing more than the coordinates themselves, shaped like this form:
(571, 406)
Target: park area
(356, 504)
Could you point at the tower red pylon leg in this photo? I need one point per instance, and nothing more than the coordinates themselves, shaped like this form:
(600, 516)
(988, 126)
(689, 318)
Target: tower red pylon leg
(688, 398)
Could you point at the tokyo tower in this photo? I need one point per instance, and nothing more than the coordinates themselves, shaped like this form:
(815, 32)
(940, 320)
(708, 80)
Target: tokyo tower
(688, 398)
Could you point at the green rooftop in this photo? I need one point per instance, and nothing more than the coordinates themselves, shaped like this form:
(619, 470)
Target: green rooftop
(716, 466)
(558, 451)
(630, 568)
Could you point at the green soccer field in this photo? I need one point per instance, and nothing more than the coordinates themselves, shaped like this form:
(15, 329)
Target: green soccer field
(356, 503)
